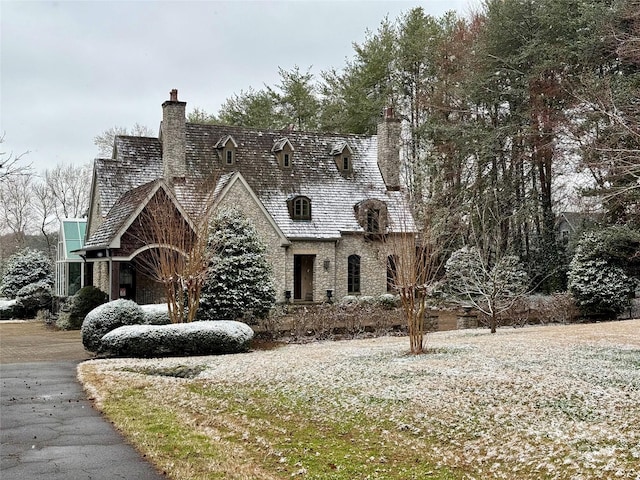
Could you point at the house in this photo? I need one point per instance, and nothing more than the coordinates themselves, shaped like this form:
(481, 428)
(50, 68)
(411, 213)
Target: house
(570, 224)
(70, 267)
(323, 203)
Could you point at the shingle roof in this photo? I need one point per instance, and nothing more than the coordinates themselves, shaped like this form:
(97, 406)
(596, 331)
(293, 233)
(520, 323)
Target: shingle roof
(118, 215)
(313, 173)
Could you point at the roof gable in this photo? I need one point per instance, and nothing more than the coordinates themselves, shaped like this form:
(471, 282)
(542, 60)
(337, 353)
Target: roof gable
(126, 210)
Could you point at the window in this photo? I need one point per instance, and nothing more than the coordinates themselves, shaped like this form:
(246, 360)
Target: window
(373, 220)
(353, 274)
(226, 147)
(283, 150)
(342, 153)
(301, 208)
(392, 273)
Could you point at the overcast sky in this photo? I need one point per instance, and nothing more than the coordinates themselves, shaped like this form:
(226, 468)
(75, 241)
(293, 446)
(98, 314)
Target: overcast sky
(70, 70)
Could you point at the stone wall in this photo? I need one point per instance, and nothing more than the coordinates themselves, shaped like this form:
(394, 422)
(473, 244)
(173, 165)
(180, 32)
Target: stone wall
(101, 276)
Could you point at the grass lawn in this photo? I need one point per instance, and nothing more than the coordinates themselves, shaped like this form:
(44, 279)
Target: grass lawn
(552, 402)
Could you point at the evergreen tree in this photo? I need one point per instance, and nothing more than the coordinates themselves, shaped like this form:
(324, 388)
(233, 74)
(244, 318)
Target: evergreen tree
(239, 282)
(24, 268)
(250, 108)
(597, 280)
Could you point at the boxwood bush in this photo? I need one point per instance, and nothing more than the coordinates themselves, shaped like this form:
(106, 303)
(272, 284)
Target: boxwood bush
(79, 305)
(107, 317)
(196, 338)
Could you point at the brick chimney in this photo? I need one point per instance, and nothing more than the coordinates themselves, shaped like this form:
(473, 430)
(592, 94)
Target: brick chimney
(173, 137)
(389, 149)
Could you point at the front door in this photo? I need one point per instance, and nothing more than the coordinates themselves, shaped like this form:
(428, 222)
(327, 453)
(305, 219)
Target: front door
(303, 277)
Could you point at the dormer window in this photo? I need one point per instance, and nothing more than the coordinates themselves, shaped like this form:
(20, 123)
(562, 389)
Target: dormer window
(226, 147)
(283, 150)
(300, 208)
(373, 220)
(228, 156)
(342, 155)
(372, 215)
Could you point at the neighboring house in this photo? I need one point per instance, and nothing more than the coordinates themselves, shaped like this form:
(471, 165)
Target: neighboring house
(70, 267)
(322, 203)
(570, 224)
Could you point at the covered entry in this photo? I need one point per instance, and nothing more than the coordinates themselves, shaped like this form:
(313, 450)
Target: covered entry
(303, 277)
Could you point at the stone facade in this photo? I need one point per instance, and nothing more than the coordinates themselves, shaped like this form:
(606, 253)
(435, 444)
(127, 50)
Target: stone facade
(174, 137)
(350, 185)
(389, 149)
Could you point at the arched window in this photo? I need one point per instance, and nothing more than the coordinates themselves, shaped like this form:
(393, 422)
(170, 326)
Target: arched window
(301, 208)
(353, 274)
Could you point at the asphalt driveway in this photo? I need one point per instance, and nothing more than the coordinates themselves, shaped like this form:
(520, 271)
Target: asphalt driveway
(48, 428)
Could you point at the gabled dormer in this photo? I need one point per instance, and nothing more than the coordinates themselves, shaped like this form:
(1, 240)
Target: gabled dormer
(227, 147)
(343, 156)
(283, 150)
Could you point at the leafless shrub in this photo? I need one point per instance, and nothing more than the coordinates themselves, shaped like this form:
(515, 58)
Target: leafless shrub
(332, 321)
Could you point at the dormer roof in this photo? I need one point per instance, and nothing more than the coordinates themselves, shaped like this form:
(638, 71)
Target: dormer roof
(225, 140)
(339, 148)
(280, 144)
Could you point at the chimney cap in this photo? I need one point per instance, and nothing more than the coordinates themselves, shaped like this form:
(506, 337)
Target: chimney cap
(173, 95)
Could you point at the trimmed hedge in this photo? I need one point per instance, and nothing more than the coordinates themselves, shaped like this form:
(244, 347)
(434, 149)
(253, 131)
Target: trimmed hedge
(107, 317)
(196, 338)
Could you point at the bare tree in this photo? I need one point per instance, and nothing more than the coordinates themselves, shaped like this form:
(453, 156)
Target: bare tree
(493, 285)
(15, 205)
(44, 212)
(10, 164)
(104, 141)
(70, 186)
(179, 257)
(417, 265)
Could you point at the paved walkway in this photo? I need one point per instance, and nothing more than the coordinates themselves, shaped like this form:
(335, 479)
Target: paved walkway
(48, 428)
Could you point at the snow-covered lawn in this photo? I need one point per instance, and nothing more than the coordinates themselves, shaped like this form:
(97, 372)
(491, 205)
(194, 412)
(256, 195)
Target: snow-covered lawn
(540, 402)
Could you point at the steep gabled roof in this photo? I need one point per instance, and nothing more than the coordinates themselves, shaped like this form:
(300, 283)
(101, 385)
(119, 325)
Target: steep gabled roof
(138, 161)
(125, 211)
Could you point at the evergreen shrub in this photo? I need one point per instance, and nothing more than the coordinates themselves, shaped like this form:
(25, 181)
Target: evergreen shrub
(34, 297)
(239, 281)
(196, 338)
(600, 286)
(107, 317)
(79, 305)
(24, 268)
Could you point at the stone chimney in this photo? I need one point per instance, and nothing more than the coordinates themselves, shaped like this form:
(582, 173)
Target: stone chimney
(389, 149)
(173, 137)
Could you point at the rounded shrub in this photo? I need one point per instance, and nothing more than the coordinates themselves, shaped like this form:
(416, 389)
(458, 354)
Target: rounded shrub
(79, 305)
(388, 300)
(196, 338)
(156, 314)
(107, 317)
(34, 297)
